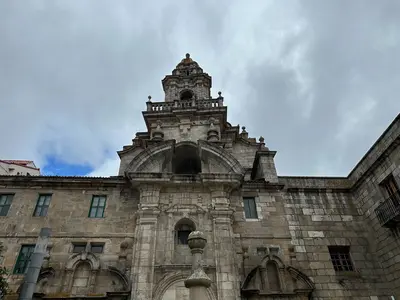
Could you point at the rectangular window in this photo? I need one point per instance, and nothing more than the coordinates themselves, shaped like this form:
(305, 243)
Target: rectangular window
(97, 207)
(391, 188)
(97, 247)
(250, 209)
(78, 247)
(340, 257)
(5, 203)
(42, 206)
(23, 259)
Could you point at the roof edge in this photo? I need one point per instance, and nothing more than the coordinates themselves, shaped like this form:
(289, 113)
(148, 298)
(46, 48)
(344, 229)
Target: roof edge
(381, 137)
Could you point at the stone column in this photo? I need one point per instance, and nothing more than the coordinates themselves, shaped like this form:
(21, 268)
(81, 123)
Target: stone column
(198, 282)
(227, 274)
(145, 243)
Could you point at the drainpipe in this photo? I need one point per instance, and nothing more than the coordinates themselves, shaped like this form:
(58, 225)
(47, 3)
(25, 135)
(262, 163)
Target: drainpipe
(36, 261)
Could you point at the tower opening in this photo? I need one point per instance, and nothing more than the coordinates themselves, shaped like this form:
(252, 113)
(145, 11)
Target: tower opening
(186, 160)
(187, 95)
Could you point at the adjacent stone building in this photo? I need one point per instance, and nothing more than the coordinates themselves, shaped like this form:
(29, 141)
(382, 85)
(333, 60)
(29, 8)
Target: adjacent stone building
(18, 167)
(269, 236)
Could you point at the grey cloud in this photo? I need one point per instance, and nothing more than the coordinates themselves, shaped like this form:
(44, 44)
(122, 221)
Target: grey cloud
(350, 68)
(75, 75)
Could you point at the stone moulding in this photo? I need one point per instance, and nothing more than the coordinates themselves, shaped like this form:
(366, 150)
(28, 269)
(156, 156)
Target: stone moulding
(124, 279)
(89, 257)
(172, 278)
(158, 158)
(255, 285)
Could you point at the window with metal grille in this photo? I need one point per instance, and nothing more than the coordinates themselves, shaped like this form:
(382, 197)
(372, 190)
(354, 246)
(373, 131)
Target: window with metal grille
(42, 206)
(23, 259)
(5, 203)
(97, 207)
(250, 209)
(340, 257)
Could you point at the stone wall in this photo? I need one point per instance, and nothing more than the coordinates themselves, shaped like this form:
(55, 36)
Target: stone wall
(200, 92)
(68, 218)
(321, 219)
(367, 196)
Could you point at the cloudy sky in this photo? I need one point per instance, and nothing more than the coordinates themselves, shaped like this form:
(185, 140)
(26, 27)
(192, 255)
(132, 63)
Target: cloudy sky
(320, 80)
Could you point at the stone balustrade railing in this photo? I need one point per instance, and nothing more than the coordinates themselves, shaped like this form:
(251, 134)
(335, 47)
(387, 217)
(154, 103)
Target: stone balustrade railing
(185, 104)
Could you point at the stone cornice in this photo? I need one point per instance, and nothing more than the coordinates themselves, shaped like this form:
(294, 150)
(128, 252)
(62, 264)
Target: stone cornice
(262, 185)
(62, 235)
(304, 183)
(171, 179)
(61, 181)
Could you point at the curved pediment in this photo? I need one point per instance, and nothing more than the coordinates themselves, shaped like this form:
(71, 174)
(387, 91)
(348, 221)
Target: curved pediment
(273, 278)
(153, 159)
(185, 158)
(88, 257)
(220, 160)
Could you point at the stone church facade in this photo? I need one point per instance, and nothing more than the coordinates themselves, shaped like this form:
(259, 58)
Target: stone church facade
(269, 236)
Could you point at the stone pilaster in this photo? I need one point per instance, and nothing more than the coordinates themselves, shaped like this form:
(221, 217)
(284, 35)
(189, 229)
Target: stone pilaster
(145, 243)
(227, 274)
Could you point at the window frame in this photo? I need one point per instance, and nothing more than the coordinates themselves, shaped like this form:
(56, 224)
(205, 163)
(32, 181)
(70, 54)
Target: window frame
(390, 187)
(344, 261)
(97, 207)
(8, 205)
(182, 236)
(182, 232)
(43, 205)
(31, 249)
(97, 244)
(248, 212)
(78, 244)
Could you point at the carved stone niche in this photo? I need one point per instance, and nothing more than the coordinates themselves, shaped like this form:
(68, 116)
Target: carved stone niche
(272, 279)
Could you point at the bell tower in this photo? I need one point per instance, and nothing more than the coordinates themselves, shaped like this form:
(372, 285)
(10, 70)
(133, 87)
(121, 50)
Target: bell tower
(187, 82)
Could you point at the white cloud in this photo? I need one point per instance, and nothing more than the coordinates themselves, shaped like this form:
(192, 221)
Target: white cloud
(108, 168)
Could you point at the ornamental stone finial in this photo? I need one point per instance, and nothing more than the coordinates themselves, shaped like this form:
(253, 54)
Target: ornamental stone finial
(198, 279)
(187, 55)
(149, 97)
(196, 240)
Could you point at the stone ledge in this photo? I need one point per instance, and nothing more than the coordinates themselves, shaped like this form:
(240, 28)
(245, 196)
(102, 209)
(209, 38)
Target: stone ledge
(69, 235)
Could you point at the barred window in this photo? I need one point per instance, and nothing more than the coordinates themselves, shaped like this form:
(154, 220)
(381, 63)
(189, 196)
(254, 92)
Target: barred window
(340, 257)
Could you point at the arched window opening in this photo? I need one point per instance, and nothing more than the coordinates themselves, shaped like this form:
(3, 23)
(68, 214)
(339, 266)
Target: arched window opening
(186, 161)
(183, 234)
(182, 229)
(187, 95)
(273, 277)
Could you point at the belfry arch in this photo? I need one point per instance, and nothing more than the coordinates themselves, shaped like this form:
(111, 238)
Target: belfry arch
(186, 159)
